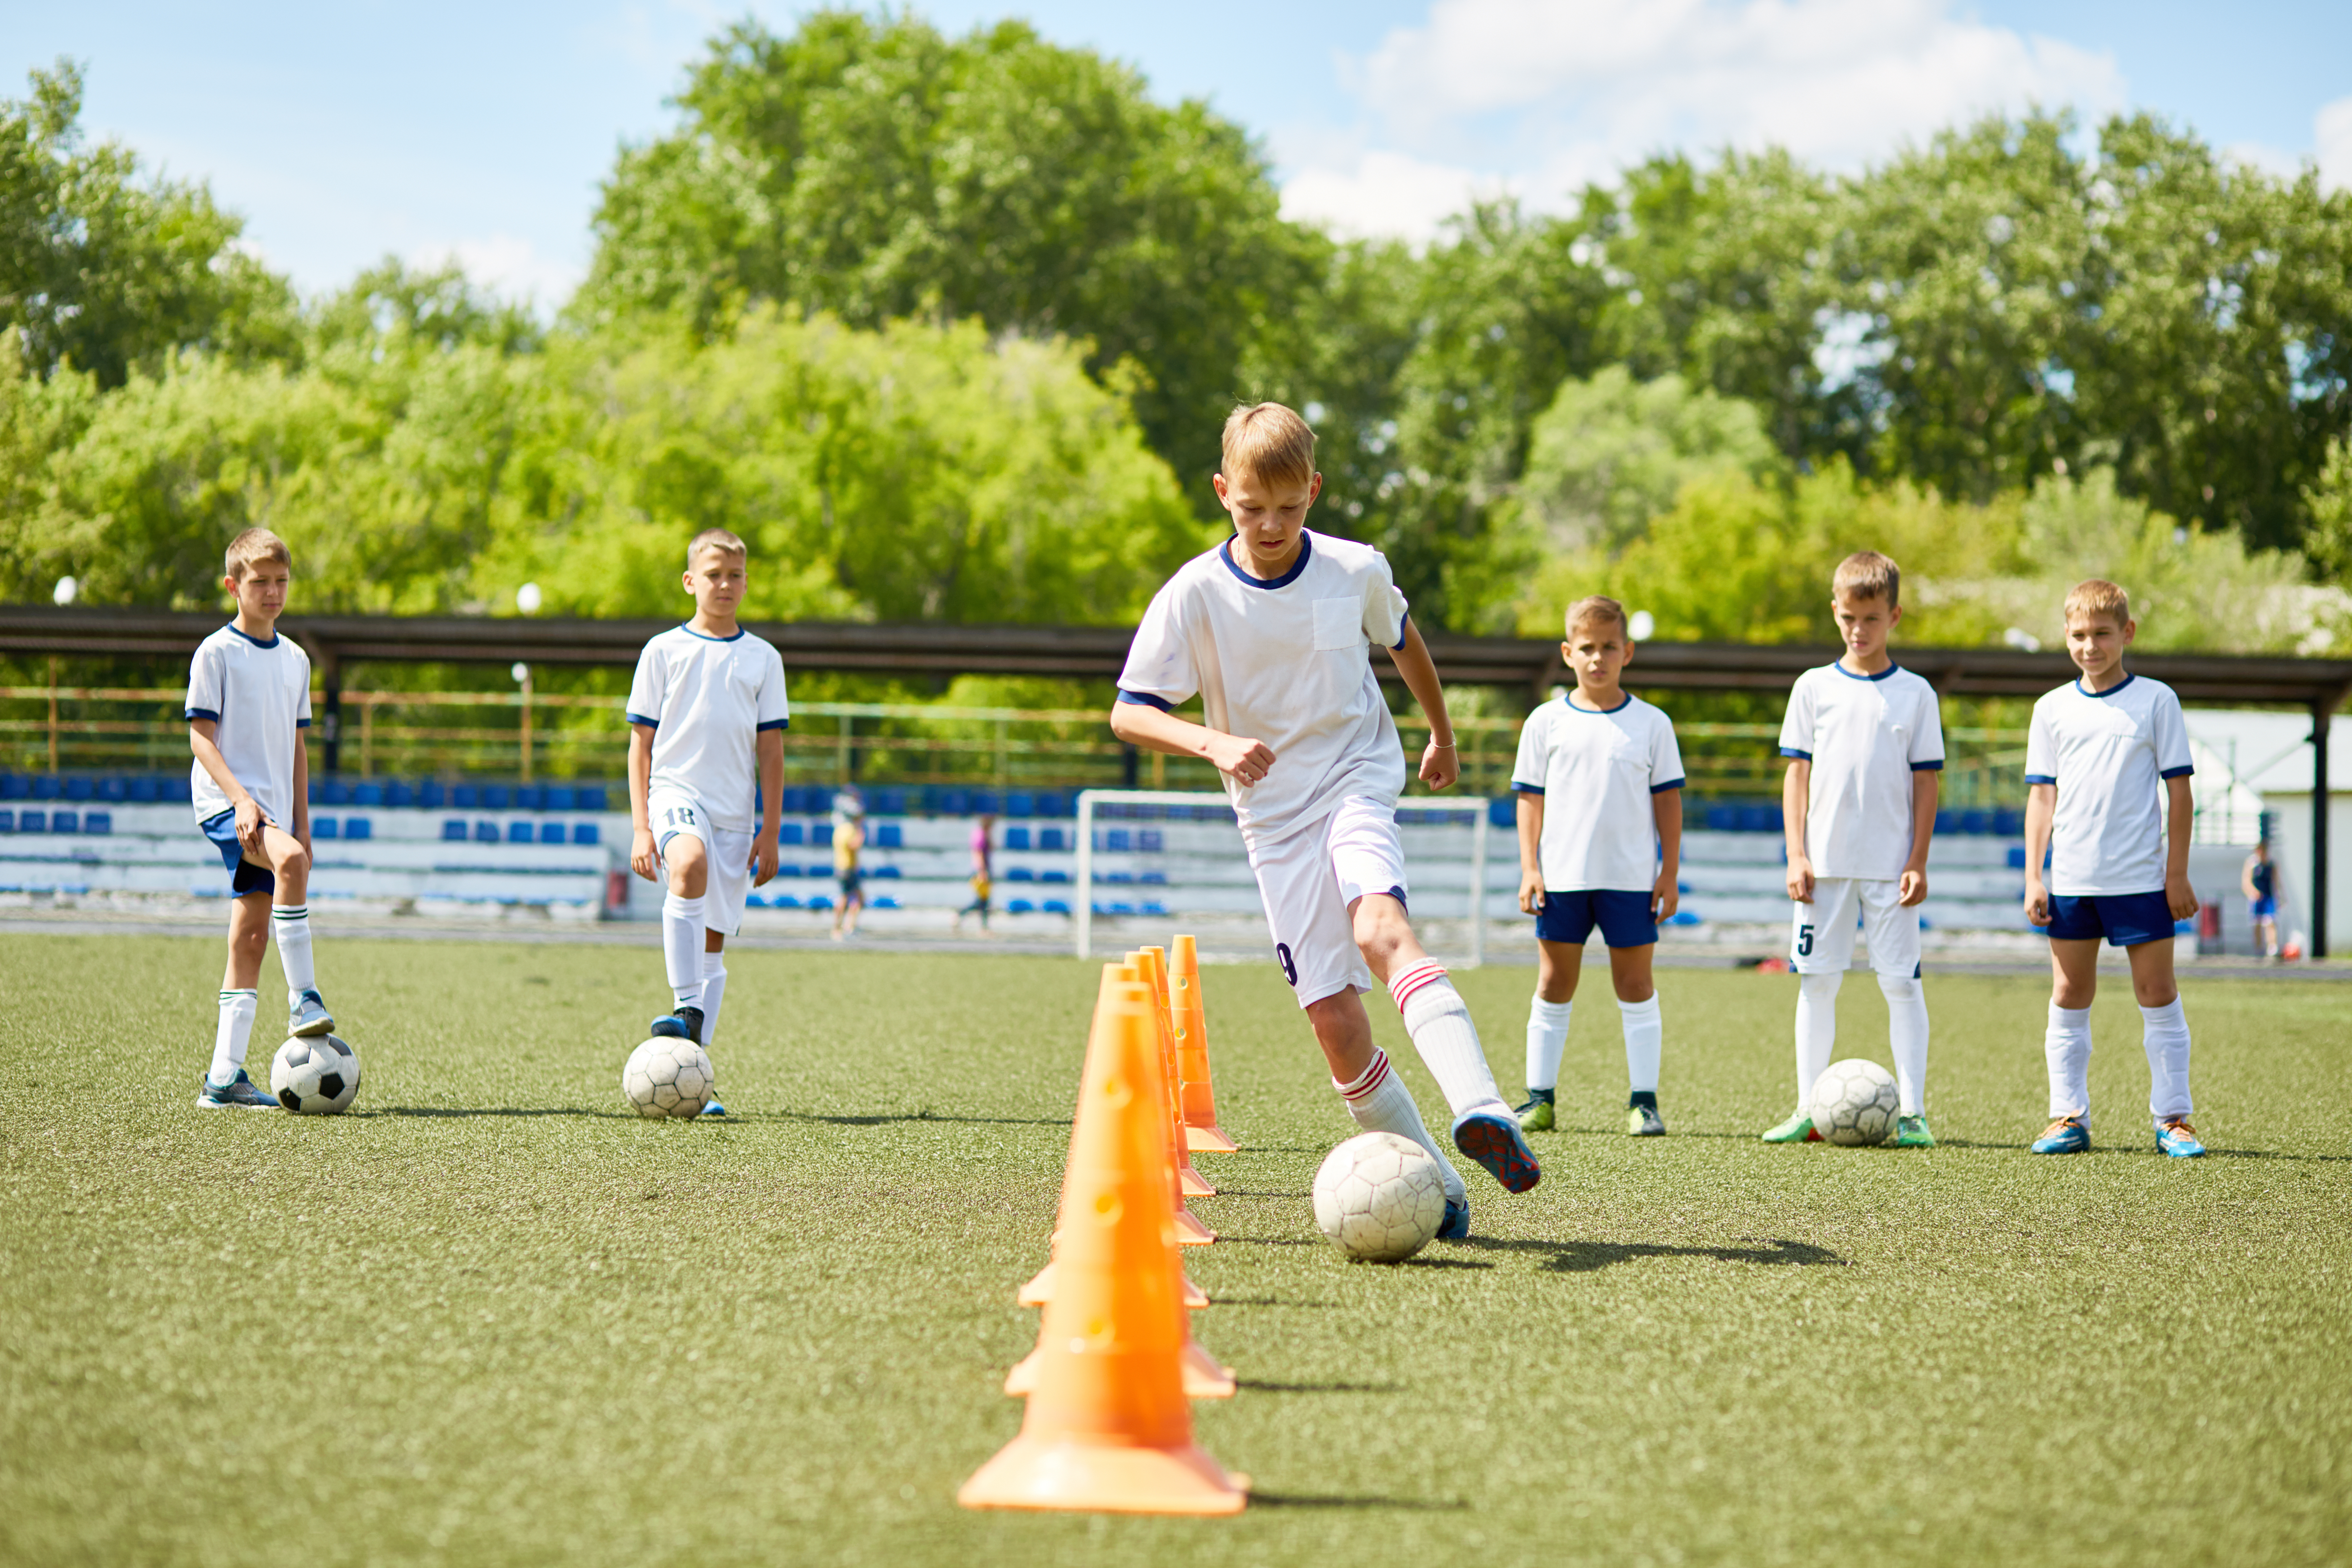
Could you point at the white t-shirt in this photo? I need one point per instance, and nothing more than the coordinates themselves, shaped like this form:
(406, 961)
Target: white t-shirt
(1287, 662)
(258, 695)
(1865, 735)
(1596, 772)
(708, 699)
(2108, 753)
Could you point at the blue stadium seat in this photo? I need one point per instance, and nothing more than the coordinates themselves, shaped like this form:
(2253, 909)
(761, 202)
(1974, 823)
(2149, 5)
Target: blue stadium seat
(98, 822)
(792, 833)
(111, 789)
(494, 797)
(1020, 873)
(784, 902)
(2008, 823)
(78, 787)
(550, 833)
(1020, 803)
(818, 902)
(559, 798)
(7, 820)
(888, 872)
(530, 797)
(588, 798)
(820, 835)
(1150, 840)
(788, 869)
(1118, 839)
(65, 822)
(1053, 876)
(888, 836)
(465, 797)
(1976, 822)
(367, 794)
(583, 832)
(32, 822)
(885, 902)
(486, 833)
(1948, 821)
(520, 833)
(358, 827)
(1054, 906)
(1019, 907)
(322, 828)
(141, 790)
(2016, 856)
(45, 786)
(1050, 838)
(1016, 837)
(453, 831)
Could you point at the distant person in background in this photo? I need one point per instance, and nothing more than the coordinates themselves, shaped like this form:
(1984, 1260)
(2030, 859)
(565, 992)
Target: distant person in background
(983, 880)
(2261, 882)
(848, 843)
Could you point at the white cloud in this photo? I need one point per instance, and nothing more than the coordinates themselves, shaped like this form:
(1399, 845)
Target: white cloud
(508, 266)
(2331, 138)
(1385, 194)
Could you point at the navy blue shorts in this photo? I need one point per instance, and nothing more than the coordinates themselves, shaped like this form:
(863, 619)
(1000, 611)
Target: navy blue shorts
(2262, 909)
(2125, 919)
(1624, 919)
(244, 876)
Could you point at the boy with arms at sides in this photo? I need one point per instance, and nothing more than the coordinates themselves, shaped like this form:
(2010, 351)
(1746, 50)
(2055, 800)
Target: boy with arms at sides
(2260, 879)
(2108, 754)
(249, 703)
(1272, 628)
(1866, 740)
(1600, 782)
(706, 713)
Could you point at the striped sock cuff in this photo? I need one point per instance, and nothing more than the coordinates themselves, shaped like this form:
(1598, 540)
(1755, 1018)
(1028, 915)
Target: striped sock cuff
(233, 995)
(1428, 972)
(290, 911)
(1370, 1078)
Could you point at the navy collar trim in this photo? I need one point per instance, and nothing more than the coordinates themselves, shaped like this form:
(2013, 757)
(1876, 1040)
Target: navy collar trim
(1306, 553)
(2110, 691)
(1838, 664)
(1568, 703)
(705, 637)
(274, 639)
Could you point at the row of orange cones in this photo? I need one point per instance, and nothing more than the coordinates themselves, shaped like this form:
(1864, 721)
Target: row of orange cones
(1108, 1426)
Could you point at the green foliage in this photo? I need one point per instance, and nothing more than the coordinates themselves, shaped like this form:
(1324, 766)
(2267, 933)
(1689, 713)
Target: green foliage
(2330, 500)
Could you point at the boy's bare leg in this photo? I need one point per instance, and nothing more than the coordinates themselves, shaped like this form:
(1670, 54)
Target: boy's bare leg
(2074, 983)
(1375, 1095)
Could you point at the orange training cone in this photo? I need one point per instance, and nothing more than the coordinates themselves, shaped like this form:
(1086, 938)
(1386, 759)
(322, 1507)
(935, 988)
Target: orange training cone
(1194, 1184)
(1040, 1290)
(1108, 1427)
(1188, 1015)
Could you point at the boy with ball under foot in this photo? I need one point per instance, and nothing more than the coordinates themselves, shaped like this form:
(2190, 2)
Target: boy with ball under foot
(706, 717)
(1865, 741)
(1273, 630)
(1599, 780)
(249, 703)
(2107, 770)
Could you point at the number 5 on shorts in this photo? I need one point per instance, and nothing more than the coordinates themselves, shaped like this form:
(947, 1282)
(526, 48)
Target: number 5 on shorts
(1804, 941)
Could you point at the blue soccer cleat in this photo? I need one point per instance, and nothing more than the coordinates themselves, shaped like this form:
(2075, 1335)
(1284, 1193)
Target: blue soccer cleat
(2178, 1138)
(309, 1016)
(1456, 1223)
(2067, 1135)
(1493, 1139)
(712, 1108)
(240, 1093)
(684, 1024)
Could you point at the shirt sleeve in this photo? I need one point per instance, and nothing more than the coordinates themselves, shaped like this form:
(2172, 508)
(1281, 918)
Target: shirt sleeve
(775, 713)
(207, 674)
(1384, 606)
(1797, 725)
(1927, 735)
(2041, 748)
(1160, 671)
(646, 691)
(1665, 758)
(2170, 733)
(1534, 763)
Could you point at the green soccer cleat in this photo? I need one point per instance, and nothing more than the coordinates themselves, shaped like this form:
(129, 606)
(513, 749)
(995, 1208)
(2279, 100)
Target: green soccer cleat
(1798, 1129)
(1911, 1132)
(1535, 1116)
(1643, 1121)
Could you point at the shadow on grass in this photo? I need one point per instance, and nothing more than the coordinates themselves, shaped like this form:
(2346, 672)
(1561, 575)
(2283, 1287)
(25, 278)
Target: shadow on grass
(1251, 1192)
(1586, 1256)
(883, 1120)
(498, 1111)
(1426, 1262)
(1258, 1385)
(1300, 1500)
(1268, 1240)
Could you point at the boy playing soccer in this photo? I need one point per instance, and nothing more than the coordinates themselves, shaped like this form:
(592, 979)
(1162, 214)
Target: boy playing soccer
(707, 711)
(249, 703)
(1272, 628)
(1858, 804)
(1601, 830)
(2100, 753)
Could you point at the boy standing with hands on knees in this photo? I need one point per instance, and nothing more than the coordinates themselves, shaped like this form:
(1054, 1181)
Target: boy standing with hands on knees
(1599, 781)
(1866, 740)
(2107, 767)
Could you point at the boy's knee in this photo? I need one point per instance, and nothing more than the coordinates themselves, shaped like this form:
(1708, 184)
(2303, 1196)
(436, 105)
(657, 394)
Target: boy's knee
(294, 862)
(1380, 925)
(1898, 987)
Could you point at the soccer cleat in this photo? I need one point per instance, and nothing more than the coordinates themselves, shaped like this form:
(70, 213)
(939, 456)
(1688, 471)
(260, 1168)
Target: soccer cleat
(1456, 1223)
(2178, 1138)
(684, 1024)
(240, 1093)
(712, 1108)
(1911, 1132)
(1798, 1129)
(1493, 1139)
(1643, 1121)
(1535, 1116)
(309, 1017)
(2064, 1136)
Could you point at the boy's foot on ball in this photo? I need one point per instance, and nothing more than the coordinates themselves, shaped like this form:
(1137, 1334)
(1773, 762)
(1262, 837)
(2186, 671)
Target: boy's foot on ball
(240, 1093)
(1911, 1132)
(2178, 1138)
(2064, 1136)
(309, 1016)
(1456, 1223)
(1493, 1139)
(1643, 1121)
(684, 1024)
(1535, 1116)
(1798, 1129)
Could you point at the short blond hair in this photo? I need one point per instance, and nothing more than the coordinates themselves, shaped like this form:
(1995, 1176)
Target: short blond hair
(715, 538)
(2096, 597)
(251, 548)
(1597, 607)
(1267, 441)
(1868, 574)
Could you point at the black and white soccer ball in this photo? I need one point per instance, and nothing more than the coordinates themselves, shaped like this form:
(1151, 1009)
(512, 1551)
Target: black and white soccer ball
(669, 1077)
(1379, 1197)
(314, 1075)
(1854, 1102)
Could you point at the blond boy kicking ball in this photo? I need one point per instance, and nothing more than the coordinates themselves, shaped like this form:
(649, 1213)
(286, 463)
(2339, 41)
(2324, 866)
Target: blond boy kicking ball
(1866, 740)
(249, 703)
(1599, 781)
(1273, 631)
(2106, 765)
(707, 721)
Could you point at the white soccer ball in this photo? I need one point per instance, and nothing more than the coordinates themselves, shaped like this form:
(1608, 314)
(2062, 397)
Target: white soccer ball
(1854, 1102)
(316, 1076)
(669, 1077)
(1379, 1197)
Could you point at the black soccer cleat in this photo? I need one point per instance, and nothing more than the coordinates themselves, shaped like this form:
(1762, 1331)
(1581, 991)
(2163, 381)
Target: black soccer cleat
(684, 1024)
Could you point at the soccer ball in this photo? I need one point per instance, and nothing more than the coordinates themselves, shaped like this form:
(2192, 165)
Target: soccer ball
(1379, 1197)
(669, 1077)
(1853, 1103)
(314, 1077)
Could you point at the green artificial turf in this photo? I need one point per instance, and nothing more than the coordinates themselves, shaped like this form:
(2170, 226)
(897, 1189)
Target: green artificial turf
(491, 1317)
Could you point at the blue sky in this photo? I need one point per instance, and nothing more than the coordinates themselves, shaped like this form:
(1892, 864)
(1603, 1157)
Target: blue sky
(432, 130)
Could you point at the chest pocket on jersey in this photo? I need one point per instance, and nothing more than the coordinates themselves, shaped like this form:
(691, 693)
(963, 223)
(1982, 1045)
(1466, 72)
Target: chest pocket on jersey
(1339, 625)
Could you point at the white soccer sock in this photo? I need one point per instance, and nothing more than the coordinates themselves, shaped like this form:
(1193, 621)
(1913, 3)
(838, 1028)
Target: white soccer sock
(1816, 1029)
(714, 991)
(1380, 1102)
(682, 948)
(234, 1035)
(290, 928)
(1439, 1022)
(2164, 1032)
(1547, 1037)
(1907, 1032)
(2068, 1048)
(1646, 1036)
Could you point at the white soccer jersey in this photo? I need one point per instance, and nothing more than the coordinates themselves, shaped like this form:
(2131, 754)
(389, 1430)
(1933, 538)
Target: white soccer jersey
(1597, 772)
(1287, 662)
(1865, 735)
(708, 699)
(258, 696)
(2108, 753)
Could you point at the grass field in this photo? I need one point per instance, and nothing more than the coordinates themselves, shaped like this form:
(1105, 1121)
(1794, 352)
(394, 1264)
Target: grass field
(488, 1317)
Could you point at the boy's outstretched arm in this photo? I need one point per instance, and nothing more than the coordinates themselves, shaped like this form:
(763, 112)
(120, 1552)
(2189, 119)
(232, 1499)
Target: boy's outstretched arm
(1157, 730)
(1441, 765)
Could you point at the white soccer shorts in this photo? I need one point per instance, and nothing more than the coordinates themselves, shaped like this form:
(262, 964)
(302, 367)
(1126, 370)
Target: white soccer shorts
(1308, 882)
(672, 811)
(1820, 935)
